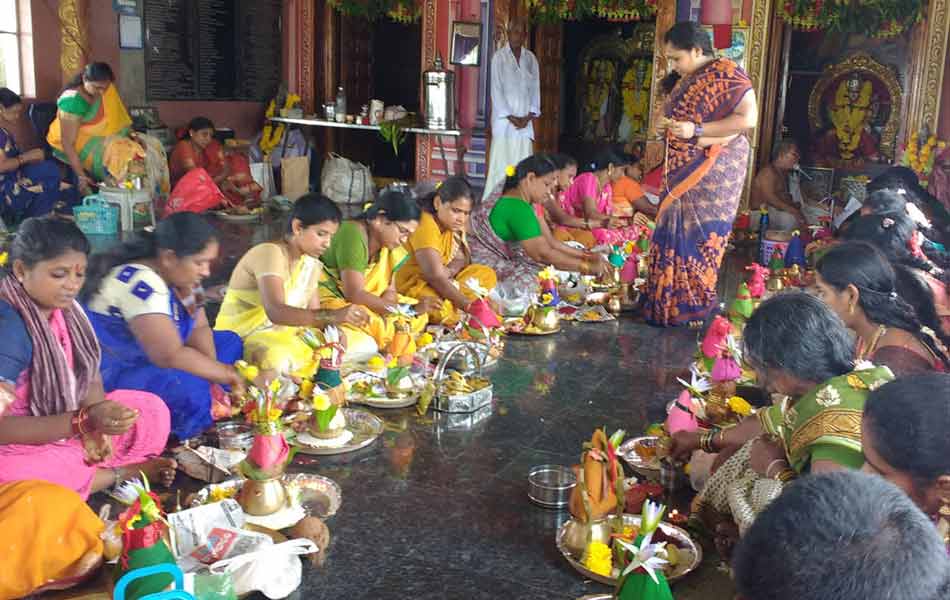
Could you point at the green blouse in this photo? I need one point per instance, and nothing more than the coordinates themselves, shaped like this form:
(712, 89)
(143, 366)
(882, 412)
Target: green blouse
(72, 102)
(825, 423)
(348, 250)
(513, 220)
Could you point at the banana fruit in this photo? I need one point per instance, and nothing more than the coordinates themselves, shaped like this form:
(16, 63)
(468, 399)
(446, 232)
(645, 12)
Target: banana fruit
(456, 383)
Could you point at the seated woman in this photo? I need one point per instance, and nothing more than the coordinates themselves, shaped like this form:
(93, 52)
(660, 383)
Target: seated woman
(360, 267)
(564, 226)
(273, 291)
(590, 198)
(858, 283)
(197, 148)
(62, 427)
(799, 348)
(30, 184)
(440, 260)
(905, 181)
(146, 305)
(628, 195)
(511, 238)
(91, 131)
(904, 433)
(922, 283)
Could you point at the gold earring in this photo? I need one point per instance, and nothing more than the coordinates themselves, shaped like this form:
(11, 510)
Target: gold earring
(850, 309)
(943, 523)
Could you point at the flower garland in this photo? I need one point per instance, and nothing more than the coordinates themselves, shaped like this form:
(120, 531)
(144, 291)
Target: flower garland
(919, 157)
(873, 18)
(618, 11)
(272, 135)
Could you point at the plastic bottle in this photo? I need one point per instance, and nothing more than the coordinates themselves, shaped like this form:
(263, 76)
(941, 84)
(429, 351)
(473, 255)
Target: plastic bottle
(763, 228)
(340, 108)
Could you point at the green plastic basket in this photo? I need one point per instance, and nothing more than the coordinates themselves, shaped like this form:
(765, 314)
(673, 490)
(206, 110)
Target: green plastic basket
(97, 217)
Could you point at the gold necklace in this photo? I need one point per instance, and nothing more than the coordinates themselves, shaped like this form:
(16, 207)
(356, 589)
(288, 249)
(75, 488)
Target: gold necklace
(880, 333)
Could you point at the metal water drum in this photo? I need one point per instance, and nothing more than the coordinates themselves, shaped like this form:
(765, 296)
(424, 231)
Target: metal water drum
(439, 86)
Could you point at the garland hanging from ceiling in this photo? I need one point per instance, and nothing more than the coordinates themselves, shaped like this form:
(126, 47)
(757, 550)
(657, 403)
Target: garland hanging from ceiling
(873, 18)
(619, 11)
(402, 11)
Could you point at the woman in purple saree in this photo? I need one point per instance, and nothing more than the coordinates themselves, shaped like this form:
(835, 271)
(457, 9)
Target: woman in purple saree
(709, 107)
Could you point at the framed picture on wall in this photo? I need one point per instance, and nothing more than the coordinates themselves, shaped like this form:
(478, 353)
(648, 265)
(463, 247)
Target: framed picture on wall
(466, 43)
(738, 50)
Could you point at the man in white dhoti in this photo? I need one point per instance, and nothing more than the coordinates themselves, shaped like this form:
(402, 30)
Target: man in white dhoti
(515, 104)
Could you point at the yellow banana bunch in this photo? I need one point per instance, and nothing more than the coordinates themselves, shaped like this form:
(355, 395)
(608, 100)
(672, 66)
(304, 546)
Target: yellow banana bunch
(456, 383)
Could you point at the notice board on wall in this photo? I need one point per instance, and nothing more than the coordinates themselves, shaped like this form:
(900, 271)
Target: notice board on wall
(212, 49)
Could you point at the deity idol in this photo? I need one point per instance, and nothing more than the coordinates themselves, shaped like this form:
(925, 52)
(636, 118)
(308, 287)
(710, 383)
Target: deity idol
(600, 80)
(850, 137)
(636, 99)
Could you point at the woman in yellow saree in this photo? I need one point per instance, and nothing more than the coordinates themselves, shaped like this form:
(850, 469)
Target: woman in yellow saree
(440, 262)
(360, 267)
(91, 130)
(272, 294)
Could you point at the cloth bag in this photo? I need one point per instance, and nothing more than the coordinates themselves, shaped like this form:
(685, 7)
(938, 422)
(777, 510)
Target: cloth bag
(275, 571)
(263, 174)
(295, 176)
(345, 181)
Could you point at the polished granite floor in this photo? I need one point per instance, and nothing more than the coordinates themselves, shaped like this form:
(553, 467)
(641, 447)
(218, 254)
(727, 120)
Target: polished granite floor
(439, 510)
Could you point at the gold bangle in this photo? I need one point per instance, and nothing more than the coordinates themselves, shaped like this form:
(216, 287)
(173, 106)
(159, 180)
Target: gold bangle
(786, 475)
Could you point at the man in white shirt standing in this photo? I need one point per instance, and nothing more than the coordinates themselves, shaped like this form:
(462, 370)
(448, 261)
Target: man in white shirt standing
(515, 104)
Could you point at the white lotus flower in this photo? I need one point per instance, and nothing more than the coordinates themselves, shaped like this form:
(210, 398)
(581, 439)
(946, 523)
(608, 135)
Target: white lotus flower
(734, 349)
(476, 287)
(402, 310)
(127, 492)
(647, 556)
(651, 516)
(698, 384)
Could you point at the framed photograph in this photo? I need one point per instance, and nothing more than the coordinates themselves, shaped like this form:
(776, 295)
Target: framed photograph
(738, 50)
(817, 183)
(130, 32)
(466, 43)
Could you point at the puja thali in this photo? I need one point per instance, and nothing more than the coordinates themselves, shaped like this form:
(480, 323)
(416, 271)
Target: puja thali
(364, 426)
(368, 389)
(319, 496)
(573, 536)
(238, 217)
(632, 452)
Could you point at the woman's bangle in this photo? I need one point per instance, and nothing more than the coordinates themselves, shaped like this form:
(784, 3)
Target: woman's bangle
(586, 223)
(707, 440)
(79, 421)
(321, 318)
(786, 475)
(772, 464)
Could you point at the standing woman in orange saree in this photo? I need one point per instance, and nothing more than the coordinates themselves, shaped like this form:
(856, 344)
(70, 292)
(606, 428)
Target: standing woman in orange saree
(709, 108)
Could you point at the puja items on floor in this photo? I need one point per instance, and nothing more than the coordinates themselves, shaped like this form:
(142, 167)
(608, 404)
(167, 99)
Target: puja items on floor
(143, 526)
(642, 577)
(541, 317)
(329, 345)
(263, 493)
(599, 489)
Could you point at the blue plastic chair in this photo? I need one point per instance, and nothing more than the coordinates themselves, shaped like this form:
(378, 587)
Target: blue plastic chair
(178, 593)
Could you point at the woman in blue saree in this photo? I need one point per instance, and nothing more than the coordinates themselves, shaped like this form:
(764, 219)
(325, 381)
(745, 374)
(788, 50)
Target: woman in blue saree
(145, 303)
(31, 185)
(710, 105)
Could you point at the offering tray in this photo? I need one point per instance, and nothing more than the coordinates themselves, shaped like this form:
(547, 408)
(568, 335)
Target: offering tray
(519, 327)
(464, 364)
(627, 451)
(448, 398)
(585, 314)
(319, 496)
(364, 426)
(233, 217)
(573, 536)
(377, 396)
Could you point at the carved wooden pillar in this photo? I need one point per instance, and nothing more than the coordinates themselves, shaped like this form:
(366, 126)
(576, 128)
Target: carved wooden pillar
(928, 63)
(665, 18)
(73, 41)
(300, 34)
(430, 26)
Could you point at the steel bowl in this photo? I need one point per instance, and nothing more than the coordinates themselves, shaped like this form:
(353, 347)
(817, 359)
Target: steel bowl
(550, 486)
(235, 436)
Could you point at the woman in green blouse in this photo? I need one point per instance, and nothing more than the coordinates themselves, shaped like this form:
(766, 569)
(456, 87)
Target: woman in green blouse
(512, 236)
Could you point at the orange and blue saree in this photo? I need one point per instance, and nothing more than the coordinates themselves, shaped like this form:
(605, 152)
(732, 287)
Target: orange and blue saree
(701, 192)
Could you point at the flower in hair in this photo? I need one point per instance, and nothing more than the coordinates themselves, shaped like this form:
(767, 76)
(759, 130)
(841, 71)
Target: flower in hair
(438, 184)
(893, 295)
(510, 171)
(887, 223)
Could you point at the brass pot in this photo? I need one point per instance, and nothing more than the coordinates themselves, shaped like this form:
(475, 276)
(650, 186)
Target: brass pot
(262, 497)
(775, 283)
(544, 318)
(613, 304)
(327, 434)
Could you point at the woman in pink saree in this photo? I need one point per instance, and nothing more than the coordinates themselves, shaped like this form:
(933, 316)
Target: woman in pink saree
(61, 427)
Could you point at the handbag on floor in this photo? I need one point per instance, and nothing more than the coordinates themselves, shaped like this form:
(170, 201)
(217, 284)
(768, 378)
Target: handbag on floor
(345, 181)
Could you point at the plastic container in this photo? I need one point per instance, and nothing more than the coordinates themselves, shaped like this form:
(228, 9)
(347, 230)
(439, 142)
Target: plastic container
(96, 216)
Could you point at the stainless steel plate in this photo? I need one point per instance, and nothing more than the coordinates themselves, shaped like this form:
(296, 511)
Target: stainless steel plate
(366, 427)
(319, 496)
(627, 451)
(572, 539)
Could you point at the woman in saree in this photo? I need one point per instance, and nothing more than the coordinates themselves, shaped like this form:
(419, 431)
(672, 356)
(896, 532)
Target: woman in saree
(564, 226)
(905, 441)
(923, 283)
(590, 199)
(359, 269)
(91, 132)
(273, 292)
(710, 106)
(62, 427)
(800, 349)
(30, 184)
(197, 148)
(860, 285)
(440, 260)
(145, 302)
(515, 242)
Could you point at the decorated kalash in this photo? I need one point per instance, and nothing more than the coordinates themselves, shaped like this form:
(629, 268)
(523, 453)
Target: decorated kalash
(618, 534)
